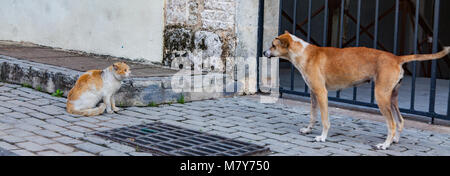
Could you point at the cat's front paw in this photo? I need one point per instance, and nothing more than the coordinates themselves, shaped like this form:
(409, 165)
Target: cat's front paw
(109, 111)
(116, 109)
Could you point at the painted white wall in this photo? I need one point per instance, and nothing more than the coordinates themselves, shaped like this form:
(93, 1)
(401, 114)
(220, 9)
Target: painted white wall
(124, 28)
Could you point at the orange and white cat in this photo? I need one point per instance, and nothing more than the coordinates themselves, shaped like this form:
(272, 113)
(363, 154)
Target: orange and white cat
(94, 86)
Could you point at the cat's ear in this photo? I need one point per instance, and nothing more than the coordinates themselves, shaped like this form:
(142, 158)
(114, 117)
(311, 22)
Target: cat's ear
(115, 66)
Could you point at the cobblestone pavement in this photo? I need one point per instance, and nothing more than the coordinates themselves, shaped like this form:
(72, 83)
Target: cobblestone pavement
(4, 152)
(35, 123)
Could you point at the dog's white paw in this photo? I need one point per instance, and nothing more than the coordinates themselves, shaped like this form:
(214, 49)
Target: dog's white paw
(396, 138)
(305, 130)
(382, 146)
(320, 138)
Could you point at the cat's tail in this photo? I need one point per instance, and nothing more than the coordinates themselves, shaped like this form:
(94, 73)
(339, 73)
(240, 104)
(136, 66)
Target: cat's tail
(87, 112)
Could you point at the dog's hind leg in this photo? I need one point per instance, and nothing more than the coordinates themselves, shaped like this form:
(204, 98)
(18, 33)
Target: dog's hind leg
(396, 113)
(384, 104)
(314, 111)
(383, 94)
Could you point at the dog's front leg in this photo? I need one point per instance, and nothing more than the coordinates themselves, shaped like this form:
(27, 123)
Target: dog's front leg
(314, 110)
(322, 98)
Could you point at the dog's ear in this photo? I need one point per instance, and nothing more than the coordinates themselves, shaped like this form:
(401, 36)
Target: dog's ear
(284, 42)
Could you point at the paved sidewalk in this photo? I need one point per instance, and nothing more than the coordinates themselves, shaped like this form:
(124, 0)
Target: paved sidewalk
(35, 123)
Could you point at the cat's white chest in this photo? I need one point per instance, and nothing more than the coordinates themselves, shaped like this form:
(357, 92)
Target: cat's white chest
(110, 85)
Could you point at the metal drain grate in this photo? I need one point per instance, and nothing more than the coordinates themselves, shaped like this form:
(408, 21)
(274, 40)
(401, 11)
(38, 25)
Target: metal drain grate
(164, 139)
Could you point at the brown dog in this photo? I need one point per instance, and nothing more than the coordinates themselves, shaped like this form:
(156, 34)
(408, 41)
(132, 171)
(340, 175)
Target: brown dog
(328, 68)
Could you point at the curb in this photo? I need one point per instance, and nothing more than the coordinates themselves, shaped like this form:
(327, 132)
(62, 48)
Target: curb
(134, 91)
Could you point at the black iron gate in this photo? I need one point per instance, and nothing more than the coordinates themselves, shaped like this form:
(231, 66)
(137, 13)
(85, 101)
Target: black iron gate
(327, 23)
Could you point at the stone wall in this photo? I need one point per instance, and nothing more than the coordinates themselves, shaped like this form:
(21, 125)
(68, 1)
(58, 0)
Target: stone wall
(209, 32)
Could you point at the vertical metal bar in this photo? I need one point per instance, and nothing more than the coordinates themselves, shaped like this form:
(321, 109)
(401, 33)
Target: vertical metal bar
(377, 9)
(341, 25)
(280, 17)
(325, 24)
(448, 103)
(414, 70)
(358, 28)
(434, 62)
(309, 31)
(309, 20)
(341, 34)
(397, 4)
(294, 30)
(358, 22)
(260, 39)
(375, 41)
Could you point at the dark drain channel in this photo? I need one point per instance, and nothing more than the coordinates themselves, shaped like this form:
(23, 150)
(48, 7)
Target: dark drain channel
(164, 139)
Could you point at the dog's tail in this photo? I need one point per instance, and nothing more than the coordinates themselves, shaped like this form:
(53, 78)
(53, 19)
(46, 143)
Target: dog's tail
(424, 57)
(87, 112)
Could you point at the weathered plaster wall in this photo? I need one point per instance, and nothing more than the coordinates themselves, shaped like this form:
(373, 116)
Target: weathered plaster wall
(270, 81)
(247, 42)
(271, 20)
(131, 28)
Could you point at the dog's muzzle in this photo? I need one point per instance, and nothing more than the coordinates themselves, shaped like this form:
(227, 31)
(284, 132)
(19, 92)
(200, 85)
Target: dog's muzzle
(267, 54)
